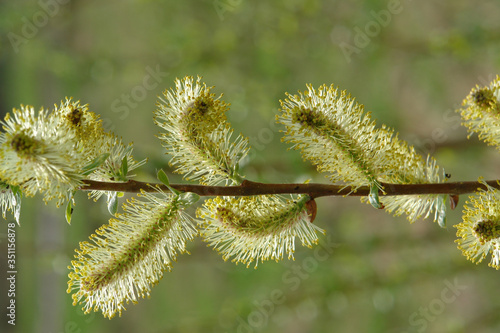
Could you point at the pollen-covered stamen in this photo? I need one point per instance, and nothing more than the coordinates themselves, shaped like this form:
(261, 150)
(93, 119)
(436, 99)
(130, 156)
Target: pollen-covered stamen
(487, 230)
(24, 145)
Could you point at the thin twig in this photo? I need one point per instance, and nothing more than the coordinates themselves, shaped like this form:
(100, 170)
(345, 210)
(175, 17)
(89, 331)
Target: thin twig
(315, 190)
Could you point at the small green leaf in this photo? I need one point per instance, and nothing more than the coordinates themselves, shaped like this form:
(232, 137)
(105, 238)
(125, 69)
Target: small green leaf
(236, 167)
(69, 210)
(113, 203)
(188, 198)
(441, 213)
(162, 176)
(373, 197)
(124, 169)
(88, 169)
(16, 190)
(442, 221)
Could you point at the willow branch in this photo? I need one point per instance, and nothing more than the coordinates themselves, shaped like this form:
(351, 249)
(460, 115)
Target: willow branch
(315, 190)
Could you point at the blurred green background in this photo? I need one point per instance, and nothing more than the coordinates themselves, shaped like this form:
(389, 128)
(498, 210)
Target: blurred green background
(411, 63)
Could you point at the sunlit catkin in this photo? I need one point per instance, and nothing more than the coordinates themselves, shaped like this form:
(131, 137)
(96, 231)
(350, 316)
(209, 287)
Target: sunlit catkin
(481, 112)
(197, 134)
(479, 231)
(129, 255)
(38, 155)
(258, 228)
(332, 131)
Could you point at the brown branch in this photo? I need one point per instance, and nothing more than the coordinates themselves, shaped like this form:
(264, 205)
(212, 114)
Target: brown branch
(315, 190)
